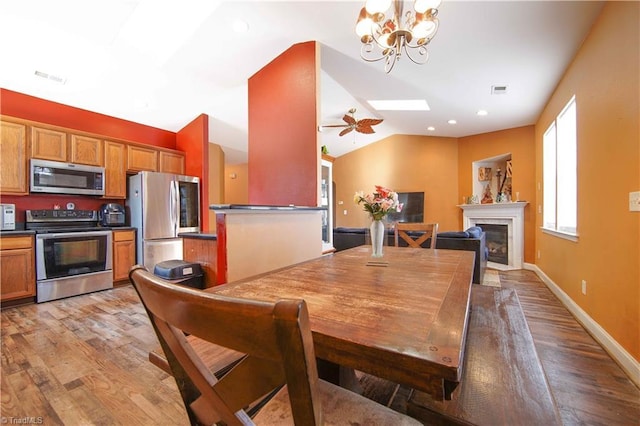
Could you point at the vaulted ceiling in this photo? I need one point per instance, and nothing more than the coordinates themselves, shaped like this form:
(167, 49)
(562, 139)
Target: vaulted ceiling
(164, 62)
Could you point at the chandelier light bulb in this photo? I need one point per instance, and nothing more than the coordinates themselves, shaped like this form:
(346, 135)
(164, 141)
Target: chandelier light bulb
(423, 28)
(364, 26)
(377, 6)
(421, 6)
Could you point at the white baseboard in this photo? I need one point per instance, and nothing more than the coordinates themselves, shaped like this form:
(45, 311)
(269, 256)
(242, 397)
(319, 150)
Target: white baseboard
(630, 366)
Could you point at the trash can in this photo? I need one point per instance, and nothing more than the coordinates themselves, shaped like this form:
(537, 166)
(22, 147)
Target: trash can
(180, 272)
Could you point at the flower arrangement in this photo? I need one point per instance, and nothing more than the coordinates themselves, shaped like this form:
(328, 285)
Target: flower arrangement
(382, 202)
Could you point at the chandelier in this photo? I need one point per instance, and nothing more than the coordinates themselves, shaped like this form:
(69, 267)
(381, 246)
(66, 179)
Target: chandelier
(396, 33)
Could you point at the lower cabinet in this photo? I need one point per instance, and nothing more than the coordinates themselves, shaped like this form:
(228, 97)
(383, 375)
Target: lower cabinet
(17, 267)
(124, 253)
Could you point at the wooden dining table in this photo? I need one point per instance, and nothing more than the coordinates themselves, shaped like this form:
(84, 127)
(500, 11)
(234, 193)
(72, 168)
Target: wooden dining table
(402, 317)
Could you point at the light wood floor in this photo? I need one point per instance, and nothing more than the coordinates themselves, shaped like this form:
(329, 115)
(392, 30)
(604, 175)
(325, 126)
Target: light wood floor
(83, 361)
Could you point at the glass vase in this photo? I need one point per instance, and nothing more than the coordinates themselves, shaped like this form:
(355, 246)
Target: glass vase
(377, 238)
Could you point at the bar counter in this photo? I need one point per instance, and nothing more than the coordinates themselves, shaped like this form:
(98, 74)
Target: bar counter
(253, 239)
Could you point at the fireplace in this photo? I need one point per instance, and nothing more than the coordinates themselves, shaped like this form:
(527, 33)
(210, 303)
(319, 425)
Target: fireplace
(503, 224)
(497, 242)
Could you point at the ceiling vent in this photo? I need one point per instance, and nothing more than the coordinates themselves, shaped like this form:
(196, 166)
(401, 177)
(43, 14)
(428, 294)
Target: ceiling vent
(498, 90)
(51, 77)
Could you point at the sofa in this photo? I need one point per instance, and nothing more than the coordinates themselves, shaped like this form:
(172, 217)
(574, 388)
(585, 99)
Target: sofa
(472, 239)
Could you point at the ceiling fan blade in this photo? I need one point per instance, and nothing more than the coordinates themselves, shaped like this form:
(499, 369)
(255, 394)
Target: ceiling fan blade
(345, 131)
(365, 129)
(349, 119)
(369, 121)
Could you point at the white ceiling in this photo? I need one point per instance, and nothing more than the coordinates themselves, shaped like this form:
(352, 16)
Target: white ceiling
(164, 62)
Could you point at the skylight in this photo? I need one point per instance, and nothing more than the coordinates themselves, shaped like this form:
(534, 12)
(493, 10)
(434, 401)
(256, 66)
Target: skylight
(400, 105)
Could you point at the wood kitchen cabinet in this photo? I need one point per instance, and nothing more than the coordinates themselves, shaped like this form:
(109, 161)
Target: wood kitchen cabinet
(115, 170)
(141, 159)
(86, 150)
(172, 162)
(48, 144)
(13, 155)
(17, 267)
(124, 253)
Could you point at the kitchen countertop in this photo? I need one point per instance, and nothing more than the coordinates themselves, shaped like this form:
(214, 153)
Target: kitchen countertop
(118, 228)
(258, 207)
(198, 235)
(21, 231)
(17, 233)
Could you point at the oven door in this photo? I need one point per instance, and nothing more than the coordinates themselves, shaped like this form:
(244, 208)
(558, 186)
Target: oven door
(72, 253)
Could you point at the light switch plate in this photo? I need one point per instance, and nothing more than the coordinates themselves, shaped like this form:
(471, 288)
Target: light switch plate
(634, 201)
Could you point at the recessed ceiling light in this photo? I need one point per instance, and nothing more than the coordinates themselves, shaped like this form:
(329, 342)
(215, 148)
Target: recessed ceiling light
(400, 105)
(482, 112)
(431, 128)
(240, 26)
(452, 121)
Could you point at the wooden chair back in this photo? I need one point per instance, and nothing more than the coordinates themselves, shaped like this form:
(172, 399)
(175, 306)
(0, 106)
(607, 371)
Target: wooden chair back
(275, 336)
(430, 230)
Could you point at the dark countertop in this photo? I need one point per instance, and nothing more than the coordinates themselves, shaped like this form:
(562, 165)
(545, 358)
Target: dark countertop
(118, 228)
(21, 231)
(17, 233)
(198, 235)
(259, 207)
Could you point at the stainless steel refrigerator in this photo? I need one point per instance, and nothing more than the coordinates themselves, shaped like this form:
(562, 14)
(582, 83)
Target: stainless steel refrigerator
(162, 205)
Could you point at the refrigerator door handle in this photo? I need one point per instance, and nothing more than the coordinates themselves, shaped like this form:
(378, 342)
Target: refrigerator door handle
(174, 206)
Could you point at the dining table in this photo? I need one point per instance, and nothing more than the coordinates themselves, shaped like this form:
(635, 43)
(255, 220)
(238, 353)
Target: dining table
(402, 317)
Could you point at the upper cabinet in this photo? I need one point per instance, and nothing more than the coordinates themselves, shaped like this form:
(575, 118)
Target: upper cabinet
(24, 139)
(172, 162)
(86, 150)
(48, 144)
(115, 170)
(141, 159)
(13, 154)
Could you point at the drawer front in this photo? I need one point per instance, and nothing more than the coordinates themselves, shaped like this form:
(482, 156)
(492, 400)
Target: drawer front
(11, 243)
(123, 235)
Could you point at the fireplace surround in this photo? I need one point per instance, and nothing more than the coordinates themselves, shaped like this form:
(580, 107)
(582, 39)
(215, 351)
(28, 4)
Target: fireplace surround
(510, 215)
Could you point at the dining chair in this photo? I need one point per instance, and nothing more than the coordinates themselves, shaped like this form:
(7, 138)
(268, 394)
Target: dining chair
(277, 339)
(420, 232)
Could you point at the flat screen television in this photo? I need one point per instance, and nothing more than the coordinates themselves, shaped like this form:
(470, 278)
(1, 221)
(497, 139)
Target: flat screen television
(413, 210)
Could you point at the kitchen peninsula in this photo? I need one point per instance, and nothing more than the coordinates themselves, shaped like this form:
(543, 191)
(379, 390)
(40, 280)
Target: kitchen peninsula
(253, 239)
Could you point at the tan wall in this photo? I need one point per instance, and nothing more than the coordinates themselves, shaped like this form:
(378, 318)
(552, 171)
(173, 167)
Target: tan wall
(402, 163)
(604, 76)
(236, 190)
(518, 142)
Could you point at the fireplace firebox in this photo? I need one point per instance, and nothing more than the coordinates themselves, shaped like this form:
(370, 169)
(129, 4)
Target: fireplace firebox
(497, 242)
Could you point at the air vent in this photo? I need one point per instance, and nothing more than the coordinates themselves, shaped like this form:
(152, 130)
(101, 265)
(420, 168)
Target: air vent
(498, 90)
(51, 77)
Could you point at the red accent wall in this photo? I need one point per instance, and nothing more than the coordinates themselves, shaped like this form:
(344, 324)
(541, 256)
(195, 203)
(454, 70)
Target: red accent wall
(283, 148)
(27, 107)
(48, 201)
(193, 139)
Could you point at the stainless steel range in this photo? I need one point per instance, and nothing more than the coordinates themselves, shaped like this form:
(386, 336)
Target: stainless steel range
(73, 255)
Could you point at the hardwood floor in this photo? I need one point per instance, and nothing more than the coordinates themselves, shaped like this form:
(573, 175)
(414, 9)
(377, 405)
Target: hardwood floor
(83, 361)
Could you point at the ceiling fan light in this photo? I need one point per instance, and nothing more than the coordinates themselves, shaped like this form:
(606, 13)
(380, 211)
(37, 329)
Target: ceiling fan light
(377, 6)
(421, 6)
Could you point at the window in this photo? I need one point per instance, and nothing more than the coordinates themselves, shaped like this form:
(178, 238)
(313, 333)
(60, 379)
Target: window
(559, 148)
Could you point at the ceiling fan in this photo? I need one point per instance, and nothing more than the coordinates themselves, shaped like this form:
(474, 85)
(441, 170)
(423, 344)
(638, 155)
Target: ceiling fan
(360, 126)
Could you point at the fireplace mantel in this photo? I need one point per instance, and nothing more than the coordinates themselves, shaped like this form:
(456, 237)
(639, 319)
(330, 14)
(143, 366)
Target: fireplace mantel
(509, 214)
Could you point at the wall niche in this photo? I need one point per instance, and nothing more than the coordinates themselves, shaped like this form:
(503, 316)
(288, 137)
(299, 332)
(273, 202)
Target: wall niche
(492, 176)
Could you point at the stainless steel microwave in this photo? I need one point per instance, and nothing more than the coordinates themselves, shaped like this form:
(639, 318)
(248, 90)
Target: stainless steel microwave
(65, 178)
